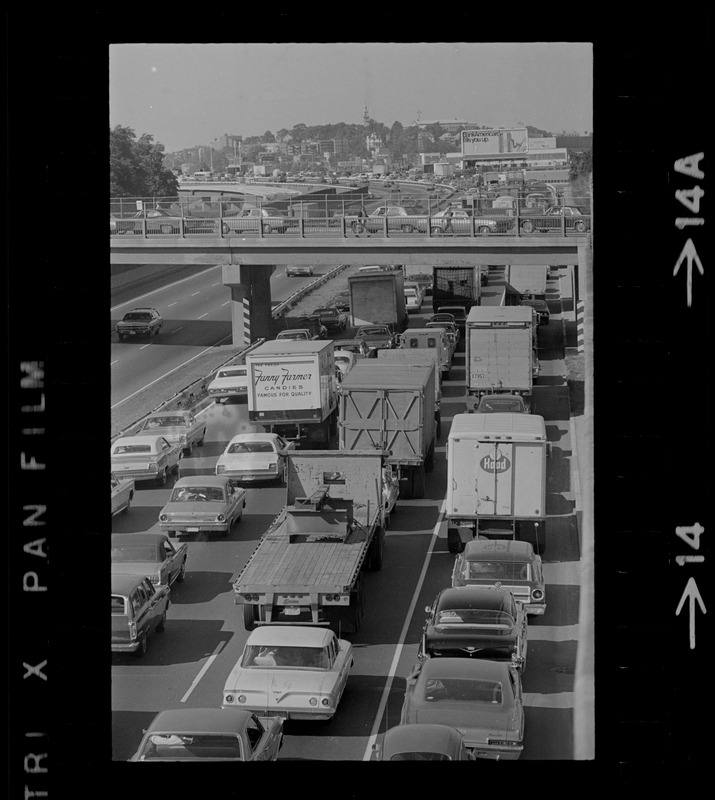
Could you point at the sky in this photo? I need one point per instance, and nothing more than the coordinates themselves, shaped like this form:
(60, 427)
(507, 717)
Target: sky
(186, 95)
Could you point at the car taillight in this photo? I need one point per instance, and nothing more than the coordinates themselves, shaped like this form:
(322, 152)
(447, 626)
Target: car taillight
(325, 701)
(537, 594)
(273, 465)
(132, 630)
(220, 468)
(313, 701)
(156, 579)
(183, 438)
(228, 698)
(152, 466)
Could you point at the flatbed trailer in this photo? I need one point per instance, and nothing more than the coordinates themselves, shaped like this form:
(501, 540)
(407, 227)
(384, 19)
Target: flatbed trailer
(307, 567)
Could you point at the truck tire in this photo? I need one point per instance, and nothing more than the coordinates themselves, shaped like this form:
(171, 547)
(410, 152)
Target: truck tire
(250, 616)
(418, 481)
(429, 461)
(375, 551)
(454, 541)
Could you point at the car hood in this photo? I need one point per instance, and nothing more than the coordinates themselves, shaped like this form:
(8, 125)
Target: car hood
(208, 507)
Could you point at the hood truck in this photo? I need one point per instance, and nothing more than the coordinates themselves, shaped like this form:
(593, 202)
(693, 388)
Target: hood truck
(496, 479)
(307, 567)
(390, 407)
(292, 390)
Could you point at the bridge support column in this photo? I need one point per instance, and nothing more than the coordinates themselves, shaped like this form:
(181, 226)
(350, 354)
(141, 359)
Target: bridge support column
(250, 286)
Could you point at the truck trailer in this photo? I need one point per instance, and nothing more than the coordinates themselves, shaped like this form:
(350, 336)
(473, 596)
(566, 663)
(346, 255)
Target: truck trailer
(457, 286)
(292, 390)
(307, 567)
(390, 407)
(500, 350)
(424, 356)
(527, 281)
(496, 478)
(378, 297)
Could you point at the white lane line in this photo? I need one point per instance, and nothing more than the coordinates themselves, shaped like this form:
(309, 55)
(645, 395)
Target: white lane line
(204, 315)
(555, 700)
(144, 346)
(114, 362)
(175, 303)
(226, 303)
(216, 284)
(202, 671)
(400, 644)
(195, 293)
(161, 377)
(180, 328)
(168, 286)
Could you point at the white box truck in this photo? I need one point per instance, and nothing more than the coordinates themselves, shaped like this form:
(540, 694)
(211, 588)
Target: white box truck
(500, 350)
(527, 280)
(496, 478)
(292, 390)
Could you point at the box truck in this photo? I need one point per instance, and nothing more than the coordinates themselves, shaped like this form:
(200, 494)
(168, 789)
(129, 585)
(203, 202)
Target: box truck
(527, 281)
(456, 286)
(378, 297)
(292, 390)
(496, 478)
(390, 407)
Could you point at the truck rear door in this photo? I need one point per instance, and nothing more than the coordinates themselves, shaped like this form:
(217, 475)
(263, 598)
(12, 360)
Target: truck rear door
(494, 478)
(463, 497)
(502, 355)
(382, 419)
(529, 483)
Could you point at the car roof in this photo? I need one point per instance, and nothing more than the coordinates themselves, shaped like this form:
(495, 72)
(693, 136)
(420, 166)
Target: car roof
(138, 538)
(412, 738)
(498, 550)
(200, 720)
(203, 480)
(290, 635)
(122, 583)
(142, 439)
(483, 597)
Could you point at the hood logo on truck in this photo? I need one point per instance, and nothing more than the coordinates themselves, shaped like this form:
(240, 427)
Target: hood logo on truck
(495, 462)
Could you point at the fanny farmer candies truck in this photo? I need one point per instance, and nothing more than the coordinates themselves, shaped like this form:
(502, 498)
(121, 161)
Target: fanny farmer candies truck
(307, 567)
(390, 407)
(496, 479)
(500, 350)
(292, 390)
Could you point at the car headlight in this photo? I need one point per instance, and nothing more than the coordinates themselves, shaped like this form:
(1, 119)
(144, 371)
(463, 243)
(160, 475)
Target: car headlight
(163, 517)
(220, 468)
(220, 518)
(536, 594)
(273, 465)
(183, 439)
(313, 701)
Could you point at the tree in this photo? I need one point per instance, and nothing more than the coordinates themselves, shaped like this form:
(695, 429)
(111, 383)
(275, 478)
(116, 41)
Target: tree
(268, 137)
(580, 163)
(136, 166)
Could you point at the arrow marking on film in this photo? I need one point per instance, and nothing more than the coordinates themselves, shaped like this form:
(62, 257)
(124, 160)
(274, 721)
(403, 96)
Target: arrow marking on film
(692, 593)
(691, 254)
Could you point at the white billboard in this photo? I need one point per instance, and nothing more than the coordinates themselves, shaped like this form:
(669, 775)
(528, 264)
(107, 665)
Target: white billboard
(495, 142)
(289, 384)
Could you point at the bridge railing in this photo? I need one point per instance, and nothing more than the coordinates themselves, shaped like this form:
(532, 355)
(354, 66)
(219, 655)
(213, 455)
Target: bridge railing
(333, 217)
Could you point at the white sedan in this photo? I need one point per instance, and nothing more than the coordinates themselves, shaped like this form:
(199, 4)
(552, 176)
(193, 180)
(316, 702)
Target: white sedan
(254, 457)
(122, 495)
(290, 671)
(413, 300)
(229, 382)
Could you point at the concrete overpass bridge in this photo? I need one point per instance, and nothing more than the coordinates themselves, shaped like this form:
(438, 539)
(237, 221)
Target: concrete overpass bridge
(248, 261)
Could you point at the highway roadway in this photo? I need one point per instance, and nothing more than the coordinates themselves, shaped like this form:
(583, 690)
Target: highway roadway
(187, 665)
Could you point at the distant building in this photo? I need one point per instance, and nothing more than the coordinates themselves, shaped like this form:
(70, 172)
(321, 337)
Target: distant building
(575, 142)
(449, 125)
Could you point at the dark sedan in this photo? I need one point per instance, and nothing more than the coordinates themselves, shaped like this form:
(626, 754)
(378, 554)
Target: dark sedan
(475, 622)
(422, 742)
(341, 301)
(332, 318)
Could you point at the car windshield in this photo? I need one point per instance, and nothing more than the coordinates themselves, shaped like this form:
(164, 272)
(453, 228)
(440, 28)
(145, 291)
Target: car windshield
(474, 616)
(297, 335)
(197, 494)
(261, 656)
(372, 331)
(500, 570)
(136, 316)
(165, 422)
(131, 448)
(463, 690)
(420, 756)
(342, 360)
(503, 406)
(127, 553)
(250, 447)
(192, 746)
